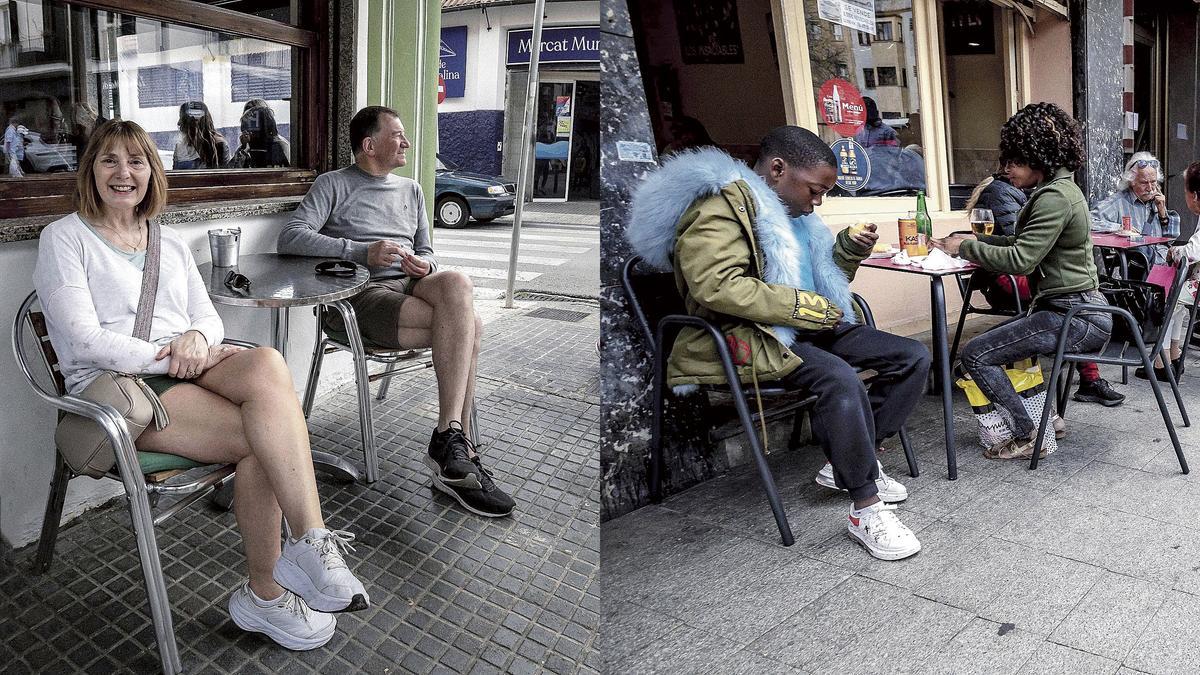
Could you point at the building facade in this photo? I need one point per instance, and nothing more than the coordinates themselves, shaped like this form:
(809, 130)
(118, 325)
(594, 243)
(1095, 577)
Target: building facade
(484, 69)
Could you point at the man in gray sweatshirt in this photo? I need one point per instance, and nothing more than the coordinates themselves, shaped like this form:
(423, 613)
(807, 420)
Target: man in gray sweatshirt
(367, 214)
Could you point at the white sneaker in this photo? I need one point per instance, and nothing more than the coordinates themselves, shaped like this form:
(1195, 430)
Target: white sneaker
(313, 568)
(879, 529)
(286, 619)
(890, 490)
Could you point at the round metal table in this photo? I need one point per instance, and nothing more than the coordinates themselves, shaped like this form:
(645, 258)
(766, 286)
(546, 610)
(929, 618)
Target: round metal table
(279, 282)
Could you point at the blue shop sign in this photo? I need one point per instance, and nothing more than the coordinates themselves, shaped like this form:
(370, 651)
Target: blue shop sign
(452, 61)
(562, 44)
(853, 164)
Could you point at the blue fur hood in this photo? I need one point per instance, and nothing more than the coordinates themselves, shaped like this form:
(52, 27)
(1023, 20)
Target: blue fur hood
(798, 252)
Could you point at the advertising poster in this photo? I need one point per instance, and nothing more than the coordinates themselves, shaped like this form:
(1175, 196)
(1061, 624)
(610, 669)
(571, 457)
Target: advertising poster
(841, 106)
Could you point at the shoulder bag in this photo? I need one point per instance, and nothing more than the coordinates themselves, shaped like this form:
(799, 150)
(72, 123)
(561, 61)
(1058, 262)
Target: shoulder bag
(82, 443)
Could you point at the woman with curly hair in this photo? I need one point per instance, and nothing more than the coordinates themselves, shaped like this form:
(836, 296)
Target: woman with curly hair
(1040, 147)
(200, 146)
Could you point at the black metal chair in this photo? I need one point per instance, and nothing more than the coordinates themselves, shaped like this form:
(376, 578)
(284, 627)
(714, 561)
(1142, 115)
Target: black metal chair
(970, 284)
(131, 470)
(660, 314)
(1129, 351)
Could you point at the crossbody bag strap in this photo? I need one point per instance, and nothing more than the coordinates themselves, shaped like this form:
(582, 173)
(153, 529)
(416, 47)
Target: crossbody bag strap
(145, 310)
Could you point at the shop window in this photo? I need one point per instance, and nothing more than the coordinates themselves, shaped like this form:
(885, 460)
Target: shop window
(871, 122)
(975, 63)
(255, 79)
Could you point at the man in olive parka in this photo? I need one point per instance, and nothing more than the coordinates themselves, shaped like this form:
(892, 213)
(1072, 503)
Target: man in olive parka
(750, 256)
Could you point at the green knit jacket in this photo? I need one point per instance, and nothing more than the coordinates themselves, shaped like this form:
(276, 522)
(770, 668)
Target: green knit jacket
(1052, 245)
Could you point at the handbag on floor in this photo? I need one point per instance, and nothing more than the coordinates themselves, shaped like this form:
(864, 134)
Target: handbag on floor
(82, 443)
(1026, 378)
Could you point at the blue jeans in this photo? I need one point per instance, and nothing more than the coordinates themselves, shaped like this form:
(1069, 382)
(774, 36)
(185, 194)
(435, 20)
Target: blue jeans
(1031, 336)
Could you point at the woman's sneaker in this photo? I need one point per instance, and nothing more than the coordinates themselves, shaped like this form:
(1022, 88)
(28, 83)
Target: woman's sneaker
(487, 500)
(313, 568)
(879, 530)
(890, 491)
(286, 619)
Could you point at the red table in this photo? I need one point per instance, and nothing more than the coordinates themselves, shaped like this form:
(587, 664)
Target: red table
(1121, 244)
(941, 350)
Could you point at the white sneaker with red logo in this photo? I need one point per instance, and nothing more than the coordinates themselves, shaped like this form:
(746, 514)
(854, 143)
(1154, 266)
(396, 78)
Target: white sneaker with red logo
(879, 530)
(890, 489)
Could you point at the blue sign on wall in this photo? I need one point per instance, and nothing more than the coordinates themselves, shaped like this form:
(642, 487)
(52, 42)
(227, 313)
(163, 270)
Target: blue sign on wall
(854, 166)
(571, 44)
(453, 61)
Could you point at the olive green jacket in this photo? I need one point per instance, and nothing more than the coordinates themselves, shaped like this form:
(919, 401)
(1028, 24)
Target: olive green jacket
(1052, 244)
(718, 271)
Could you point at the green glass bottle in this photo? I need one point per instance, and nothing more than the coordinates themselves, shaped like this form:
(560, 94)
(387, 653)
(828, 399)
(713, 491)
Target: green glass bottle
(924, 223)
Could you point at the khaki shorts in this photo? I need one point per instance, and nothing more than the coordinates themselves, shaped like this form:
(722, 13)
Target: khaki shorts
(377, 309)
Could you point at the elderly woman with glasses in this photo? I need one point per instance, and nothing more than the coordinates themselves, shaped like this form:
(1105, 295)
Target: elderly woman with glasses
(1139, 196)
(225, 405)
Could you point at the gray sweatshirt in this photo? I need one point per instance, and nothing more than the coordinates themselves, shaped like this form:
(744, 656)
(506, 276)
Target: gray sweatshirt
(347, 210)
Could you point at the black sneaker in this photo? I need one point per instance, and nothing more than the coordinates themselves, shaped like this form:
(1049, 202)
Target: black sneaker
(1160, 374)
(449, 458)
(1098, 392)
(488, 500)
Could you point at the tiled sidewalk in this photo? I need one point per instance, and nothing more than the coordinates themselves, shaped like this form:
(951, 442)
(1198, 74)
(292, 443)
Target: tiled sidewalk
(451, 592)
(1091, 564)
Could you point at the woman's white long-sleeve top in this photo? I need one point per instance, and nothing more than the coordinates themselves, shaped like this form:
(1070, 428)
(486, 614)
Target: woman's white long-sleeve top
(89, 295)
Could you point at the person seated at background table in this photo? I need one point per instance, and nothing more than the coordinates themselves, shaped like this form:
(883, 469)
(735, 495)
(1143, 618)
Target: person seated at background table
(225, 404)
(1179, 316)
(1040, 147)
(1139, 196)
(750, 256)
(367, 214)
(874, 131)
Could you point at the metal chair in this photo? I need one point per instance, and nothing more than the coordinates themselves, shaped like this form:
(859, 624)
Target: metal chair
(660, 313)
(1130, 351)
(395, 361)
(131, 469)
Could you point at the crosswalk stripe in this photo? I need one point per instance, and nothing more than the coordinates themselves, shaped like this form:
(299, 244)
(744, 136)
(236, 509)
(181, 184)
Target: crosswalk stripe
(500, 258)
(548, 248)
(500, 235)
(489, 273)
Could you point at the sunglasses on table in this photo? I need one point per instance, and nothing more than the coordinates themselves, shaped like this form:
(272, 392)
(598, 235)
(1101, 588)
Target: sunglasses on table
(236, 281)
(337, 268)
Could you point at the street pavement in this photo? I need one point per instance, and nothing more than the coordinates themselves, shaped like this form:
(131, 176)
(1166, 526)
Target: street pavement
(559, 251)
(1090, 564)
(450, 592)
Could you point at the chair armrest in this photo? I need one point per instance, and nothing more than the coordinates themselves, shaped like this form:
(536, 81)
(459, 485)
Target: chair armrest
(113, 426)
(681, 320)
(1116, 312)
(867, 317)
(240, 343)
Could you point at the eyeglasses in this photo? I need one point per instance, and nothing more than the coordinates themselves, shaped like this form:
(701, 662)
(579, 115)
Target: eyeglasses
(1143, 163)
(337, 268)
(236, 281)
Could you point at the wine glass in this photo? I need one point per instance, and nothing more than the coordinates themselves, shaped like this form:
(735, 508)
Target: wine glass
(982, 221)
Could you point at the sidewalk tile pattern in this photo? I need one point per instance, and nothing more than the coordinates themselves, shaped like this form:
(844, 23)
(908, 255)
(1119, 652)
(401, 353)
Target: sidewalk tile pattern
(1089, 564)
(451, 592)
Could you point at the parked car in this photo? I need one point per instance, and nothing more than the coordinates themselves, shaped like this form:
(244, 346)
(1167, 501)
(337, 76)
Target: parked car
(462, 195)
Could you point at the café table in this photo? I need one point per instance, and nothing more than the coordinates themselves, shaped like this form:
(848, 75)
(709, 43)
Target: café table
(278, 282)
(1121, 243)
(941, 348)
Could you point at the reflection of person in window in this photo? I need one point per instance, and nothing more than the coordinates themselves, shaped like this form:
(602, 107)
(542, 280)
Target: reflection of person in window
(875, 132)
(260, 144)
(199, 145)
(14, 146)
(86, 119)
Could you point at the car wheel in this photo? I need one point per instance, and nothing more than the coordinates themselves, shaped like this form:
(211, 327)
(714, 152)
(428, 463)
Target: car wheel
(452, 212)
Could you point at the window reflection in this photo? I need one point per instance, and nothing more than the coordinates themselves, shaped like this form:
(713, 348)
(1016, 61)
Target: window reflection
(868, 106)
(210, 100)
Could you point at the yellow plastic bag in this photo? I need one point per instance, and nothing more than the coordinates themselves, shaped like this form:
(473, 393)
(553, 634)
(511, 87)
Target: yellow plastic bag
(1026, 378)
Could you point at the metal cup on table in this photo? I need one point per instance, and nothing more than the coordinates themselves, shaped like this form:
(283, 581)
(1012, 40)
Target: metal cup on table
(224, 244)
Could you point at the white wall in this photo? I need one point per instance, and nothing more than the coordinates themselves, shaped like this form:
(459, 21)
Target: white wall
(487, 50)
(27, 425)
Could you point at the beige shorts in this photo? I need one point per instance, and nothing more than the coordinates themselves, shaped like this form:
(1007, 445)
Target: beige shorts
(377, 309)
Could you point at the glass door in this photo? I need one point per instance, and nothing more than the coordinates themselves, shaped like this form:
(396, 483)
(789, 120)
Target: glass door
(552, 150)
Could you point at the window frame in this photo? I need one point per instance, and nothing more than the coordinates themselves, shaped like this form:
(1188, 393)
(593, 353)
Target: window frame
(869, 81)
(52, 194)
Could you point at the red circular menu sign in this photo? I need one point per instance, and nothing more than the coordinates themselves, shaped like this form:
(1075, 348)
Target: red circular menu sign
(841, 106)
